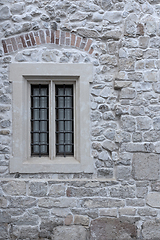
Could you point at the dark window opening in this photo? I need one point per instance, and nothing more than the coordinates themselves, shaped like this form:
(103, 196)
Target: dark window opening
(39, 120)
(64, 120)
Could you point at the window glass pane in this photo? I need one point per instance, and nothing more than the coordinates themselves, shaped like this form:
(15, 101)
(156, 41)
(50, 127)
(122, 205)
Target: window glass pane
(64, 120)
(39, 120)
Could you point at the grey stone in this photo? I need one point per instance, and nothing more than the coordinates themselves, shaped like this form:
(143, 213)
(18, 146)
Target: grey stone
(25, 202)
(79, 16)
(70, 232)
(104, 173)
(108, 116)
(122, 192)
(107, 4)
(127, 211)
(155, 42)
(4, 217)
(17, 8)
(151, 230)
(123, 173)
(135, 76)
(130, 25)
(109, 145)
(127, 64)
(141, 192)
(122, 136)
(85, 192)
(47, 225)
(153, 199)
(81, 220)
(127, 93)
(124, 159)
(38, 189)
(95, 116)
(4, 231)
(97, 17)
(145, 166)
(151, 54)
(109, 134)
(147, 212)
(112, 34)
(25, 232)
(5, 123)
(4, 13)
(150, 27)
(49, 56)
(151, 136)
(113, 229)
(108, 212)
(155, 186)
(143, 123)
(54, 202)
(113, 17)
(108, 59)
(151, 76)
(102, 203)
(128, 123)
(103, 107)
(137, 147)
(156, 87)
(26, 220)
(135, 202)
(14, 188)
(137, 137)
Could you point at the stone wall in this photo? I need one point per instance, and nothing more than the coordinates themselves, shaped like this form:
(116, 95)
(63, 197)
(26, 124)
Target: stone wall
(121, 198)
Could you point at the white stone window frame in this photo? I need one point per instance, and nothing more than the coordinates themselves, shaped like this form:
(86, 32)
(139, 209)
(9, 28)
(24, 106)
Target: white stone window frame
(23, 75)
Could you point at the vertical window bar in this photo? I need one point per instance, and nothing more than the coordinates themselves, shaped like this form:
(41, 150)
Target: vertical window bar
(39, 120)
(64, 120)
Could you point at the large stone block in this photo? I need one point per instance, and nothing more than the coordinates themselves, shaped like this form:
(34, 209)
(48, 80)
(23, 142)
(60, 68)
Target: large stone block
(153, 199)
(14, 188)
(70, 232)
(109, 229)
(102, 203)
(145, 166)
(151, 230)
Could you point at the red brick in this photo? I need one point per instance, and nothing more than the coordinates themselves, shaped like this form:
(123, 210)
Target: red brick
(47, 36)
(4, 46)
(10, 49)
(32, 39)
(19, 43)
(14, 44)
(62, 42)
(57, 36)
(91, 51)
(37, 38)
(83, 43)
(67, 34)
(73, 38)
(78, 41)
(41, 33)
(28, 40)
(23, 41)
(52, 36)
(89, 42)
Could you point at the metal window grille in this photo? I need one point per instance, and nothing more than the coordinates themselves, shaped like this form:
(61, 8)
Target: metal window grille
(39, 120)
(64, 120)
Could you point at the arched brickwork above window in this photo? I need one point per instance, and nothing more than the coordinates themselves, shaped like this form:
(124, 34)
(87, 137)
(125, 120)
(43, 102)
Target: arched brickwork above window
(26, 40)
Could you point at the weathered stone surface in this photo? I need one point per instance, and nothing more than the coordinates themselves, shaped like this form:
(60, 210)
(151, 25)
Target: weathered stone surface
(57, 190)
(112, 34)
(128, 123)
(89, 33)
(145, 166)
(108, 212)
(26, 220)
(127, 211)
(130, 25)
(81, 220)
(14, 188)
(143, 123)
(123, 192)
(108, 228)
(38, 189)
(153, 199)
(17, 8)
(104, 173)
(109, 145)
(108, 59)
(4, 13)
(151, 230)
(147, 212)
(155, 186)
(54, 202)
(24, 232)
(68, 220)
(79, 16)
(123, 173)
(127, 93)
(102, 203)
(72, 232)
(113, 17)
(86, 192)
(26, 202)
(137, 147)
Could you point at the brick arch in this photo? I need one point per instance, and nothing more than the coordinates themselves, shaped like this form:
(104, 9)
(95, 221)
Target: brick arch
(26, 40)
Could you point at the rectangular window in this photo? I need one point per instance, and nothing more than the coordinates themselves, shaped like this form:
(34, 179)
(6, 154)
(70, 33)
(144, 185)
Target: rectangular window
(51, 118)
(39, 120)
(64, 120)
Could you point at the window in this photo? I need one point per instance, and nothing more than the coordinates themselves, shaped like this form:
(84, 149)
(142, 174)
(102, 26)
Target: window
(51, 120)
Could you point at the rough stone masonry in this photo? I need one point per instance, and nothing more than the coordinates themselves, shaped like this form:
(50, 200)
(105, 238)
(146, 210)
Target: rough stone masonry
(120, 200)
